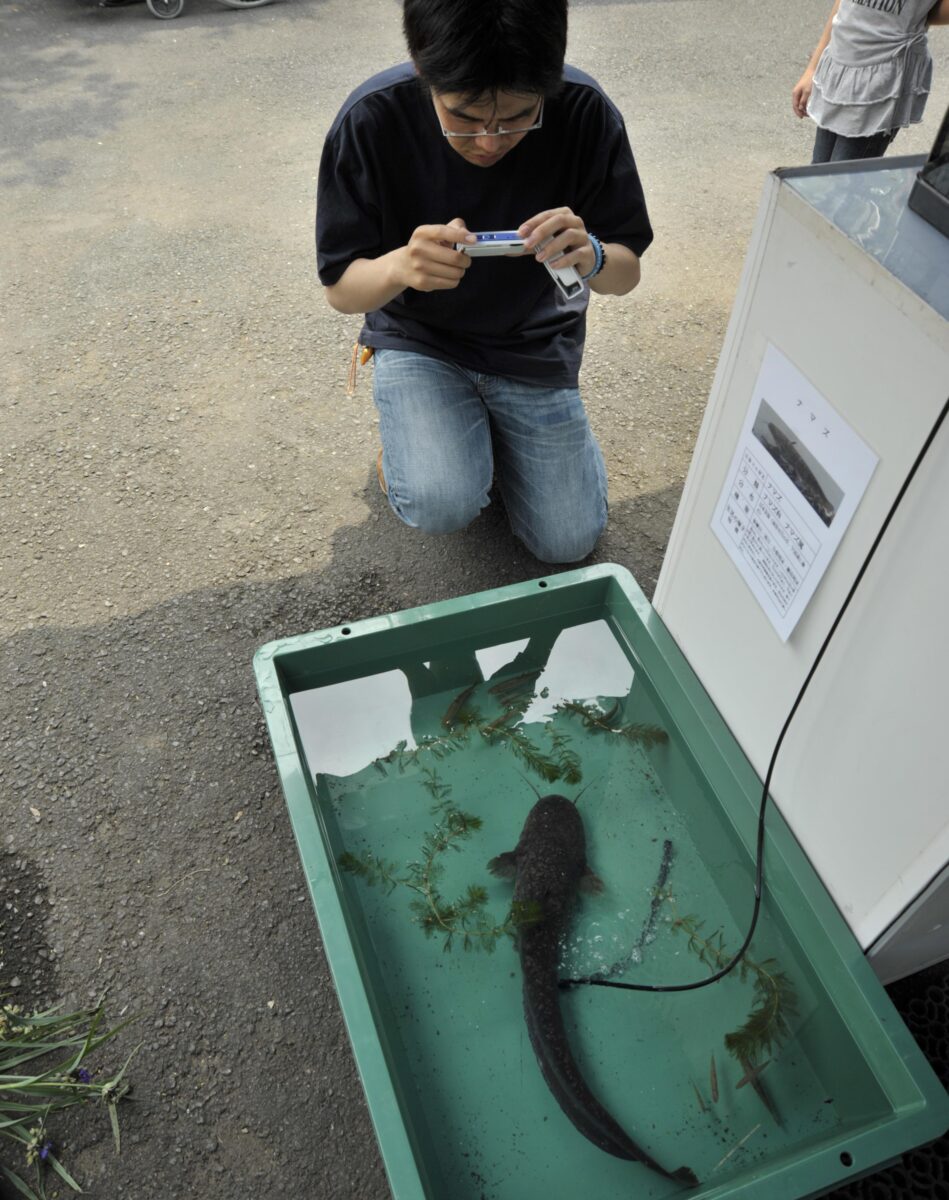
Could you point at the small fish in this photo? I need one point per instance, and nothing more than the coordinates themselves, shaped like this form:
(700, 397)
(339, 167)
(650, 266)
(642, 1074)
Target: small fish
(451, 713)
(508, 715)
(515, 683)
(713, 1079)
(753, 1076)
(590, 717)
(698, 1096)
(549, 866)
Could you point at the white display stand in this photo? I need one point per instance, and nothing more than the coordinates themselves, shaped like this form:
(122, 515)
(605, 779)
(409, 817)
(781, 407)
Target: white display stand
(850, 288)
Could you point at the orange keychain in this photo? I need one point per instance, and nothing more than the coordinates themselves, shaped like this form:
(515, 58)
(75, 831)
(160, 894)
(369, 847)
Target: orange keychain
(367, 353)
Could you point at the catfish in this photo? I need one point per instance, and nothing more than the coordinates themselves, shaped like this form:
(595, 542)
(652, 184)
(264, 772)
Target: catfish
(549, 867)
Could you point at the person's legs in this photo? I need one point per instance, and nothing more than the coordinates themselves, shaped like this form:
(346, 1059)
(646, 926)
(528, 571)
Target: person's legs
(436, 441)
(824, 142)
(846, 149)
(834, 147)
(549, 467)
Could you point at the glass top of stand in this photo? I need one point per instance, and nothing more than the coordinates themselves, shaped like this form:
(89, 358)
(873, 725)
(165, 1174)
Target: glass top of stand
(869, 205)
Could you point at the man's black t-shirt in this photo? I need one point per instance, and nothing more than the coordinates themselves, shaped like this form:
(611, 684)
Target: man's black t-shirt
(387, 168)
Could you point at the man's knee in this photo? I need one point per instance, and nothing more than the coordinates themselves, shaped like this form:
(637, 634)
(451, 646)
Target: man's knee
(442, 509)
(563, 544)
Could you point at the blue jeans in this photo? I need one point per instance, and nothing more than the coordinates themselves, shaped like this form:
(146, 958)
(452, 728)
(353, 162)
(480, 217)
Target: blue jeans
(834, 147)
(447, 431)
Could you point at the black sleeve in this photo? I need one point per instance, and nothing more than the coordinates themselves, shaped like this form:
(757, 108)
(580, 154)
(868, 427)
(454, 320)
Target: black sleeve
(348, 222)
(611, 200)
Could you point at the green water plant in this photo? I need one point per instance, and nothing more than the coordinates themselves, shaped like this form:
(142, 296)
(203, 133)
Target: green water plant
(437, 748)
(775, 1000)
(463, 717)
(559, 762)
(514, 694)
(43, 1071)
(596, 720)
(464, 919)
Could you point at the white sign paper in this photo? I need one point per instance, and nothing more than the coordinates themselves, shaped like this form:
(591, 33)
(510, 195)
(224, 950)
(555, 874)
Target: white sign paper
(797, 475)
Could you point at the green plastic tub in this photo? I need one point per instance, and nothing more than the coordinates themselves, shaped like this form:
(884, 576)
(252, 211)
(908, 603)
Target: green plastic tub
(411, 748)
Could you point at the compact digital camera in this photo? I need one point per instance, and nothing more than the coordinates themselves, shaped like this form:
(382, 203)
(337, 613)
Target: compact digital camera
(508, 241)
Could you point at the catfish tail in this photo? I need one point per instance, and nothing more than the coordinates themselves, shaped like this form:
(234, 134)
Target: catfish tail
(548, 1037)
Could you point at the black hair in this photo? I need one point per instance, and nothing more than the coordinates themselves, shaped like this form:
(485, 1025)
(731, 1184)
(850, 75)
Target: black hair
(478, 47)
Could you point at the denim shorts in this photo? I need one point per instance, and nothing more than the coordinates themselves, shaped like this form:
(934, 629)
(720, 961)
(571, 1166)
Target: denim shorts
(448, 431)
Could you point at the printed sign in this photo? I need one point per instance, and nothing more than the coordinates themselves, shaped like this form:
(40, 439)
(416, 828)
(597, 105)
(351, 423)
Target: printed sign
(796, 477)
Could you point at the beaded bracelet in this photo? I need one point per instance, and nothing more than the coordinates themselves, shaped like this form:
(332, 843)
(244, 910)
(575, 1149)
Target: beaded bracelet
(600, 256)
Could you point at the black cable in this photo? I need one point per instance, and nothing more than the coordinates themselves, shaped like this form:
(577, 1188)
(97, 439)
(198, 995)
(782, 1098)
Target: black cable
(591, 981)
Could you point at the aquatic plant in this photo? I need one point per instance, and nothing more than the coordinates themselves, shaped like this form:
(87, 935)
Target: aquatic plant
(559, 763)
(514, 694)
(371, 869)
(468, 717)
(401, 757)
(52, 1047)
(439, 791)
(596, 720)
(464, 918)
(592, 716)
(567, 760)
(775, 1000)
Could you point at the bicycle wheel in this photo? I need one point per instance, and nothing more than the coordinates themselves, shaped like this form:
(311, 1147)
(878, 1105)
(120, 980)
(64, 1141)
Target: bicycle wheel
(165, 10)
(244, 3)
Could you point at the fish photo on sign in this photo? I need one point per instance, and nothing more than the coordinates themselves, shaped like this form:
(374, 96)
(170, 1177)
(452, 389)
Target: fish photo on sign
(811, 479)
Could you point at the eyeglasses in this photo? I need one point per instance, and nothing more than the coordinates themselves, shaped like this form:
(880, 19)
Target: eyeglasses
(501, 131)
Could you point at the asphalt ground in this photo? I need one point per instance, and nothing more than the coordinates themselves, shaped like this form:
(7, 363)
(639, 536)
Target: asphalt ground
(183, 479)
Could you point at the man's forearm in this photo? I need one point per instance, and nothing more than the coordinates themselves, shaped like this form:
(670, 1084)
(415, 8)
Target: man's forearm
(620, 272)
(367, 284)
(370, 283)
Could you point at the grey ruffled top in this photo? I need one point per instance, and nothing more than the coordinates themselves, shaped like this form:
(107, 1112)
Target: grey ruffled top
(876, 72)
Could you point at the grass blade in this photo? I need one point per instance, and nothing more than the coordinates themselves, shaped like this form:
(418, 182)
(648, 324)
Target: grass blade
(114, 1118)
(62, 1172)
(21, 1186)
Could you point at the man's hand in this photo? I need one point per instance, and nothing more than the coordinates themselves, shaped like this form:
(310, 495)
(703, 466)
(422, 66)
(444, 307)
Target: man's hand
(801, 93)
(570, 245)
(430, 262)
